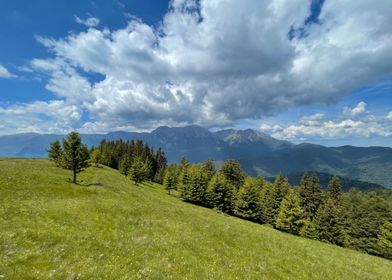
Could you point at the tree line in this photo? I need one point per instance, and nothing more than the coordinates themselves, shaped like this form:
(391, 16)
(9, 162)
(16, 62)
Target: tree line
(134, 159)
(353, 219)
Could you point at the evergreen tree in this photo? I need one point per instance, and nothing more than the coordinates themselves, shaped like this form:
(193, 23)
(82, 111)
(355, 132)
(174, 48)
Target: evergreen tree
(161, 163)
(95, 156)
(231, 170)
(334, 190)
(193, 184)
(291, 217)
(311, 194)
(385, 239)
(279, 190)
(75, 154)
(139, 170)
(125, 164)
(209, 168)
(55, 152)
(170, 179)
(308, 229)
(221, 194)
(328, 226)
(248, 202)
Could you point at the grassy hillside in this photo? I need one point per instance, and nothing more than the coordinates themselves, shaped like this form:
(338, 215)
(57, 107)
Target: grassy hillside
(108, 228)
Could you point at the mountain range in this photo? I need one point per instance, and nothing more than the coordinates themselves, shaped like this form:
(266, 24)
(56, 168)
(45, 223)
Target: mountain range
(257, 152)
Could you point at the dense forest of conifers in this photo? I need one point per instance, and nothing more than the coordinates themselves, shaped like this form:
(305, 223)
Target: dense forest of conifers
(354, 219)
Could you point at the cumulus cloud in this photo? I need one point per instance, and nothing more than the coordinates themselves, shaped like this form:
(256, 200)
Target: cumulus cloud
(339, 127)
(4, 73)
(51, 117)
(90, 21)
(357, 110)
(216, 62)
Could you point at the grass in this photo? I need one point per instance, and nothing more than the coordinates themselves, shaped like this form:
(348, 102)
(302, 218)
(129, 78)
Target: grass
(108, 228)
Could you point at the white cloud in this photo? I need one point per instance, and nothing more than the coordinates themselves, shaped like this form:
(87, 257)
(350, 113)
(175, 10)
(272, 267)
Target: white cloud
(53, 116)
(357, 110)
(4, 73)
(340, 127)
(90, 21)
(221, 62)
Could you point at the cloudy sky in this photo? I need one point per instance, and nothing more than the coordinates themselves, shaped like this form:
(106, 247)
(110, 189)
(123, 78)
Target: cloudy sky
(306, 71)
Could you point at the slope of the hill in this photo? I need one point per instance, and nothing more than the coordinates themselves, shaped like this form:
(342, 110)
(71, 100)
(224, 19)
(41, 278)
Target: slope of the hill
(108, 228)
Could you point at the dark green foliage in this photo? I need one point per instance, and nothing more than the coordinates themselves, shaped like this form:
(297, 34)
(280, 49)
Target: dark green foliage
(385, 239)
(334, 190)
(193, 184)
(159, 165)
(231, 170)
(248, 203)
(140, 170)
(209, 168)
(221, 194)
(327, 223)
(125, 164)
(274, 198)
(291, 217)
(75, 154)
(311, 194)
(363, 215)
(55, 152)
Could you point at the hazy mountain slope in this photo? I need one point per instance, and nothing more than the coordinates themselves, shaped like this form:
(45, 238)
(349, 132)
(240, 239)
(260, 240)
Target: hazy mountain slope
(108, 228)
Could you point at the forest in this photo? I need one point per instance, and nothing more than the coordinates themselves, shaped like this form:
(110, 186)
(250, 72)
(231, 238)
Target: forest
(355, 219)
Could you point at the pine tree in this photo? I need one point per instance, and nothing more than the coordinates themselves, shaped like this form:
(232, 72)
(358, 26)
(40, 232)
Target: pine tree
(334, 190)
(248, 202)
(291, 217)
(209, 168)
(385, 239)
(55, 152)
(75, 154)
(95, 156)
(231, 170)
(221, 194)
(170, 179)
(125, 164)
(311, 194)
(278, 191)
(328, 226)
(193, 184)
(139, 170)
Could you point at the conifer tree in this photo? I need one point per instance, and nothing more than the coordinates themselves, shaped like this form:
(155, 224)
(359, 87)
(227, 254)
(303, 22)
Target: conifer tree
(279, 190)
(334, 190)
(231, 170)
(221, 194)
(75, 154)
(170, 179)
(209, 168)
(311, 194)
(95, 156)
(291, 217)
(327, 223)
(139, 170)
(248, 202)
(193, 184)
(55, 152)
(125, 164)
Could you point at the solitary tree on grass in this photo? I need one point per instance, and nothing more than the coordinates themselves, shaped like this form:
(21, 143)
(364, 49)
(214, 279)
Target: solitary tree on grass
(75, 154)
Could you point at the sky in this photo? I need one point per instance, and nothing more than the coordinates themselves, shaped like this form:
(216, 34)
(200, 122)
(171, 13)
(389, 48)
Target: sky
(301, 70)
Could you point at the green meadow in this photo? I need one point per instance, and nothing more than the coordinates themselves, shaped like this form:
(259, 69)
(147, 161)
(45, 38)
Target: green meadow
(106, 227)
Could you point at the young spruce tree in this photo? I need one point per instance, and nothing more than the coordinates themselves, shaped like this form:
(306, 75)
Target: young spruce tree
(75, 154)
(55, 152)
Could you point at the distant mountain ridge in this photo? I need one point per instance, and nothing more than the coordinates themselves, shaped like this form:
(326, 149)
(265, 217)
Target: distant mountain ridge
(258, 153)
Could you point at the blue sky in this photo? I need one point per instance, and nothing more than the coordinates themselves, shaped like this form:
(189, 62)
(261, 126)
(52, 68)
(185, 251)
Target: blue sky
(306, 71)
